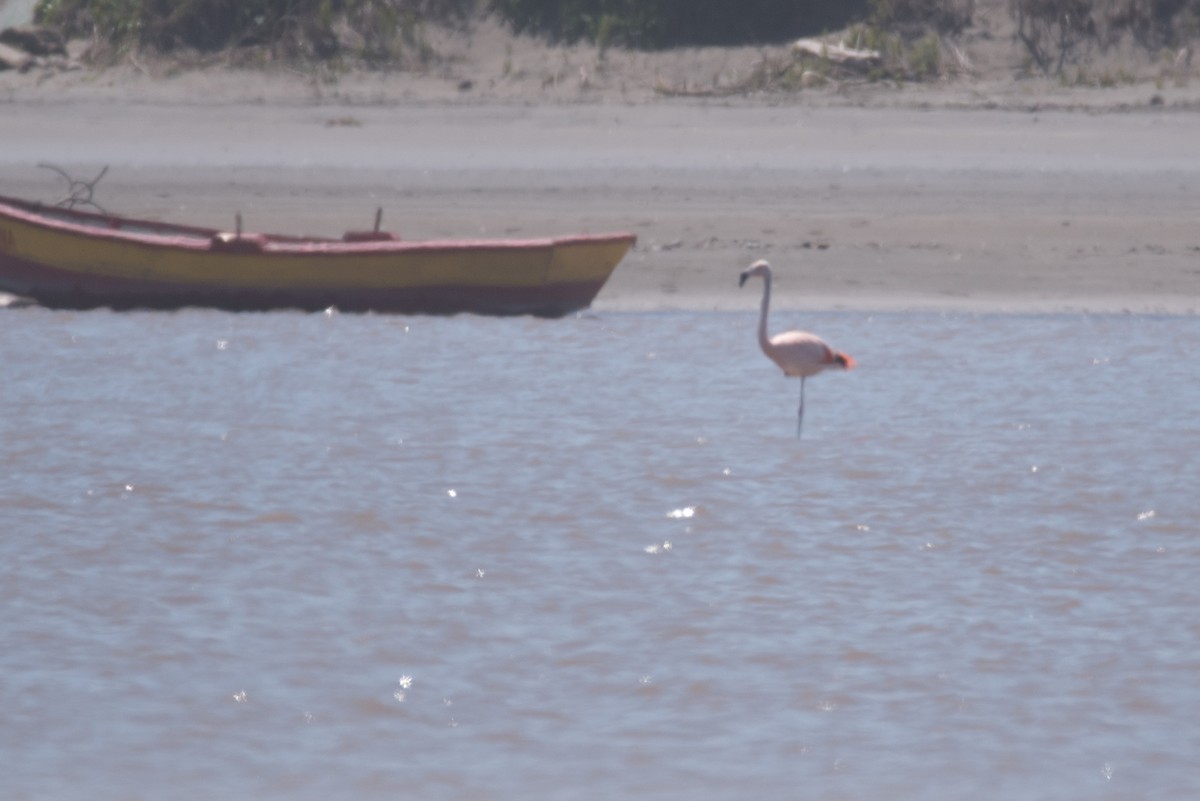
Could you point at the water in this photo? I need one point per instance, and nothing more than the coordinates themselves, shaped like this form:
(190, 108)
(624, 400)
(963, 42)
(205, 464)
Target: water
(288, 556)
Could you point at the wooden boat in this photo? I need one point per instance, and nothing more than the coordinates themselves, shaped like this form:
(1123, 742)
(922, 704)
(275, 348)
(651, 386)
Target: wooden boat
(68, 258)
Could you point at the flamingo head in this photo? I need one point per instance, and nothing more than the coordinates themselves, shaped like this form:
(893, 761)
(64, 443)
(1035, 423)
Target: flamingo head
(845, 361)
(759, 268)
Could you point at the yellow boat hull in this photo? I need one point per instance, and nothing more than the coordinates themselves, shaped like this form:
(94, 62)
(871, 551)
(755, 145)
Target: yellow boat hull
(73, 259)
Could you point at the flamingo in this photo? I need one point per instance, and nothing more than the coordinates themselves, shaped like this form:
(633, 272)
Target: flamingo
(798, 353)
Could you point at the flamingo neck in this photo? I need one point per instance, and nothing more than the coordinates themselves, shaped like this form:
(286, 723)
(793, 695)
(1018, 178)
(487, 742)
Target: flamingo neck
(764, 341)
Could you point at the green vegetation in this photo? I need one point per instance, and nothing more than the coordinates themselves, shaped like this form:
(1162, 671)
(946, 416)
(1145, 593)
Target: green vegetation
(1058, 33)
(925, 57)
(912, 37)
(324, 27)
(376, 30)
(670, 23)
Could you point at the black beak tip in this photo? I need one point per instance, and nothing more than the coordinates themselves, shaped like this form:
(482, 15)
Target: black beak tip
(742, 280)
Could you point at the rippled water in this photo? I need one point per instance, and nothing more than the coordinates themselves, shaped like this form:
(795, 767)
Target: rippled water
(289, 556)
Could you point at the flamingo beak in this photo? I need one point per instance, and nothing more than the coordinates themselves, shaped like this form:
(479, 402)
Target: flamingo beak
(742, 279)
(846, 361)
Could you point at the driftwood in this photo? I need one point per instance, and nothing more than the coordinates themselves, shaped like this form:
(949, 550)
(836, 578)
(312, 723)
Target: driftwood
(839, 54)
(29, 47)
(34, 40)
(13, 59)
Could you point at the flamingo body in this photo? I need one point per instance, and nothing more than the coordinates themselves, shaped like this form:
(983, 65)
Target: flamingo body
(801, 354)
(798, 353)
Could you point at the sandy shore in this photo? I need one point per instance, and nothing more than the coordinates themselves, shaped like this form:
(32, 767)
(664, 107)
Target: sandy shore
(971, 195)
(857, 208)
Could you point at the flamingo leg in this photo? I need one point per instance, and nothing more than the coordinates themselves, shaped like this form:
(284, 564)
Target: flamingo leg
(800, 422)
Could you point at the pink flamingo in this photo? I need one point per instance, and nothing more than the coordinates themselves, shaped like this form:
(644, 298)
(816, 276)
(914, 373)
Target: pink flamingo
(798, 353)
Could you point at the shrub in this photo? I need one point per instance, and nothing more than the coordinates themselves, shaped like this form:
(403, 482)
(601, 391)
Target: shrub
(306, 25)
(925, 59)
(912, 17)
(1156, 23)
(668, 23)
(1055, 32)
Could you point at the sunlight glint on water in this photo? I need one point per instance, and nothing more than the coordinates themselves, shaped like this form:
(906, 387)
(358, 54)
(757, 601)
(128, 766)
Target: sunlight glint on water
(307, 556)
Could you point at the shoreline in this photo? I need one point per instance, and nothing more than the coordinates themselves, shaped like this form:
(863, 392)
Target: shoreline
(217, 86)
